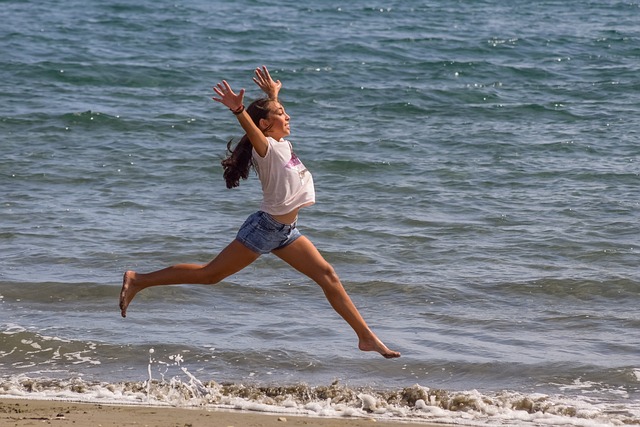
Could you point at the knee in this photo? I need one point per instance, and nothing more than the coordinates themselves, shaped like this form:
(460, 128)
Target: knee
(209, 276)
(327, 277)
(210, 280)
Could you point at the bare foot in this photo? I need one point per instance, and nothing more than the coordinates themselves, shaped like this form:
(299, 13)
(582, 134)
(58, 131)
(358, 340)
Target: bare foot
(128, 292)
(374, 344)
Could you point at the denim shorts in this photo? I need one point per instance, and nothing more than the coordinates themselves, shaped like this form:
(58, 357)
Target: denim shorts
(263, 234)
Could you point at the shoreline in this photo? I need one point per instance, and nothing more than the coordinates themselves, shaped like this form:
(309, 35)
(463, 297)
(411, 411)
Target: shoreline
(21, 412)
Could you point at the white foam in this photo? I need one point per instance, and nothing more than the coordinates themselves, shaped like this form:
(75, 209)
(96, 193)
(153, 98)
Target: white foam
(178, 393)
(179, 387)
(12, 329)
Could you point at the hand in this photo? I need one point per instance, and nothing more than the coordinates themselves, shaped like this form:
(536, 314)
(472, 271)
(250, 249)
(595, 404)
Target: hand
(227, 96)
(266, 83)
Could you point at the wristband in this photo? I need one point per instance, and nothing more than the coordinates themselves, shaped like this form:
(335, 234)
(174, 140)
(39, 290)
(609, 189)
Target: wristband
(238, 110)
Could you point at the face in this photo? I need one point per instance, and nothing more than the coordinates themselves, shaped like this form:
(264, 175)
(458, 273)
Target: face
(276, 125)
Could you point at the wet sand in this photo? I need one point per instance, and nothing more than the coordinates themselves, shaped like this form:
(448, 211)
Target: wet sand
(21, 412)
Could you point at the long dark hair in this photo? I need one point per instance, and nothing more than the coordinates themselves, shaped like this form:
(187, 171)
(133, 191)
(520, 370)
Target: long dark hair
(238, 162)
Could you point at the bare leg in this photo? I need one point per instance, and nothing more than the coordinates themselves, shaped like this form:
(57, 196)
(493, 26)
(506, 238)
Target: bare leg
(304, 257)
(232, 259)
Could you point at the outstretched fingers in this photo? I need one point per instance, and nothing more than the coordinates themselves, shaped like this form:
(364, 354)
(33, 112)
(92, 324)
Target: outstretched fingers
(227, 96)
(262, 76)
(222, 89)
(266, 83)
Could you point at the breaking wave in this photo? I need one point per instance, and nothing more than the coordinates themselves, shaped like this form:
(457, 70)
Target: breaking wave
(170, 383)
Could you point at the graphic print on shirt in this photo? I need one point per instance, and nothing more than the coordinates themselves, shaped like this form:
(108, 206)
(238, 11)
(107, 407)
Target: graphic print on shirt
(295, 163)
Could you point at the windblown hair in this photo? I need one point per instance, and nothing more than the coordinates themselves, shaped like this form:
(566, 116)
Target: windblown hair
(238, 162)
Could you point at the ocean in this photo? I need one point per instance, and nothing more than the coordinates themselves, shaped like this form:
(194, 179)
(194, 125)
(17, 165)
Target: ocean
(477, 170)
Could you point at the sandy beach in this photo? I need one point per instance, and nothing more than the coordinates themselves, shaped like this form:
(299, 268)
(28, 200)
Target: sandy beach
(22, 412)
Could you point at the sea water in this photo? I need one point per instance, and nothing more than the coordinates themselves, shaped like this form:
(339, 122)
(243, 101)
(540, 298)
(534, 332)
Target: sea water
(477, 174)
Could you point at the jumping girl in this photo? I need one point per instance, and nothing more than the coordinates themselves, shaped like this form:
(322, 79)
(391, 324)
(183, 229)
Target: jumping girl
(287, 187)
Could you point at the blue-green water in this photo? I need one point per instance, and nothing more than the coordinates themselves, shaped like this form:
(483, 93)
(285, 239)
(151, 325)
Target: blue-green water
(476, 166)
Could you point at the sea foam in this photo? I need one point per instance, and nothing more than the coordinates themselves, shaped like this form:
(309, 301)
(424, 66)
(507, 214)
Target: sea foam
(170, 383)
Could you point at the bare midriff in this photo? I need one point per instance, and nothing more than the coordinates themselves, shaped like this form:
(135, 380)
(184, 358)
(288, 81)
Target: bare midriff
(288, 218)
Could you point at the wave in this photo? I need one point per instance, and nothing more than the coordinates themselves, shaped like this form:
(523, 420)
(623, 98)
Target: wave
(50, 369)
(413, 403)
(26, 350)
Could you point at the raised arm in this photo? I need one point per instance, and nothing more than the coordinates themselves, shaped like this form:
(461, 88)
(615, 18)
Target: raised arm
(233, 102)
(266, 83)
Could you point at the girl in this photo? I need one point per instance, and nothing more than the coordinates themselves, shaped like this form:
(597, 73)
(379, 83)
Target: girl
(287, 187)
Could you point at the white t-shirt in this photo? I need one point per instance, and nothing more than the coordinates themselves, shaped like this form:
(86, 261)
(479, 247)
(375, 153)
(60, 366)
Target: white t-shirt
(286, 183)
